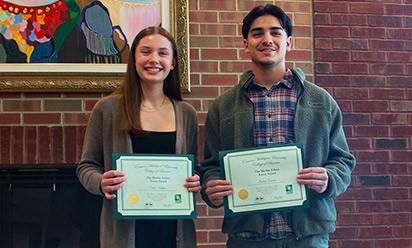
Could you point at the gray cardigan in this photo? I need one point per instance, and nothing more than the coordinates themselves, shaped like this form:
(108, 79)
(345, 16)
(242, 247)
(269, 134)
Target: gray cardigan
(317, 125)
(103, 138)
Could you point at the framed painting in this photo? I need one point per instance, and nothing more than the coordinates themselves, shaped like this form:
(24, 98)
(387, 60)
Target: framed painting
(80, 45)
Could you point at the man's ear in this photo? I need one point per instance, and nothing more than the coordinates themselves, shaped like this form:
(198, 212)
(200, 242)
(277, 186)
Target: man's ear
(289, 43)
(246, 46)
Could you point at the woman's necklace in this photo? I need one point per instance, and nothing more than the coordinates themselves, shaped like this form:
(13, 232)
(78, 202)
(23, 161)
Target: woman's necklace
(152, 110)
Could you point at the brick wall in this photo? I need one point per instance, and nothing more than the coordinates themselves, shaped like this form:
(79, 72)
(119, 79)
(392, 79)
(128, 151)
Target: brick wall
(362, 56)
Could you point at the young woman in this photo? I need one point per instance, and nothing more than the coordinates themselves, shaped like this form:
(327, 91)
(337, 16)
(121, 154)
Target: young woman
(145, 114)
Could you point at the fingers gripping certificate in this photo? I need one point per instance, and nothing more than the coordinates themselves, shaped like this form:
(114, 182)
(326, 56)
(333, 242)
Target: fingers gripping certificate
(154, 187)
(263, 179)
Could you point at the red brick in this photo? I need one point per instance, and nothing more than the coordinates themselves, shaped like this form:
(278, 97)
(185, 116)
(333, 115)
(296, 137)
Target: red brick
(302, 19)
(202, 236)
(57, 145)
(302, 31)
(350, 44)
(331, 7)
(333, 80)
(17, 144)
(204, 41)
(217, 237)
(375, 231)
(351, 93)
(387, 69)
(403, 231)
(322, 19)
(370, 106)
(30, 145)
(204, 92)
(341, 32)
(385, 21)
(217, 5)
(404, 57)
(218, 29)
(386, 119)
(215, 79)
(387, 94)
(367, 32)
(44, 145)
(332, 55)
(390, 193)
(42, 118)
(392, 219)
(369, 81)
(231, 17)
(303, 43)
(356, 194)
(299, 55)
(374, 206)
(76, 118)
(402, 205)
(219, 54)
(203, 16)
(5, 139)
(234, 67)
(344, 232)
(294, 6)
(368, 56)
(21, 105)
(204, 66)
(399, 81)
(401, 106)
(402, 156)
(391, 169)
(399, 34)
(357, 243)
(349, 20)
(70, 144)
(372, 156)
(231, 42)
(393, 243)
(359, 143)
(7, 119)
(354, 219)
(366, 8)
(208, 223)
(352, 68)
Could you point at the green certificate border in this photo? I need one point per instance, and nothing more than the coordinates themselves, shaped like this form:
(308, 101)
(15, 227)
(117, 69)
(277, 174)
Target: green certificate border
(121, 214)
(260, 208)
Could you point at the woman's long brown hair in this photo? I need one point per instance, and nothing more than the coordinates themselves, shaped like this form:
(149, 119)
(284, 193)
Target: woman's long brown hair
(131, 89)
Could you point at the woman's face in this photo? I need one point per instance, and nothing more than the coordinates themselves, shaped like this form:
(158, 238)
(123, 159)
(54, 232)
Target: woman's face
(154, 59)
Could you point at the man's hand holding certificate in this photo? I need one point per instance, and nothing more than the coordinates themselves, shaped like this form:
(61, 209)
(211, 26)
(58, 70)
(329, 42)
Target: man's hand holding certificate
(263, 179)
(154, 187)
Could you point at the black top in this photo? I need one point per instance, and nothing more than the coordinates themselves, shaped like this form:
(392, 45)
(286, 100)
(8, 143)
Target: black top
(155, 233)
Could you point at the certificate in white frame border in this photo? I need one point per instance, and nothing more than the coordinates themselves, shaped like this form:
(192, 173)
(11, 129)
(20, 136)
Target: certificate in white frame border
(247, 201)
(141, 195)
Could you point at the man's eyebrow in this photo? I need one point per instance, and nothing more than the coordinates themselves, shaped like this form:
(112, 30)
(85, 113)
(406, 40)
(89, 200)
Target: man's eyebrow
(260, 29)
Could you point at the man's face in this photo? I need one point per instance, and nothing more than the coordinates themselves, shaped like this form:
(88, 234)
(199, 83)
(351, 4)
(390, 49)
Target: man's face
(267, 42)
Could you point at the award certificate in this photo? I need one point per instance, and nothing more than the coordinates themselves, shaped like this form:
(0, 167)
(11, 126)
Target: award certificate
(263, 179)
(154, 187)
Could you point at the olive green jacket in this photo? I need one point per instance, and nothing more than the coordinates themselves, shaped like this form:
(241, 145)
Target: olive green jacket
(317, 125)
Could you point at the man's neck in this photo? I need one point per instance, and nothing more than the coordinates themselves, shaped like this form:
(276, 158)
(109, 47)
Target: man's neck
(268, 76)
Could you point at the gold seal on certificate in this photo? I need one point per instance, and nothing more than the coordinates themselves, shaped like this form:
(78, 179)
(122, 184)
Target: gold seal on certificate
(263, 179)
(154, 187)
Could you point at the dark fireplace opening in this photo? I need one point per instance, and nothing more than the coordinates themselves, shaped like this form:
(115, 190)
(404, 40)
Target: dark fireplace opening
(47, 208)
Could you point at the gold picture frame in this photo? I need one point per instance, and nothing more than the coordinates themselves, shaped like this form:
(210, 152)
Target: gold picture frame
(59, 77)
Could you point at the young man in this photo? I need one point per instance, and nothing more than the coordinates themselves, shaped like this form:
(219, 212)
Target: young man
(275, 105)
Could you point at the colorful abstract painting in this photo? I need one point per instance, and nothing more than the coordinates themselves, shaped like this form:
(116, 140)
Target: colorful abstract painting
(72, 31)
